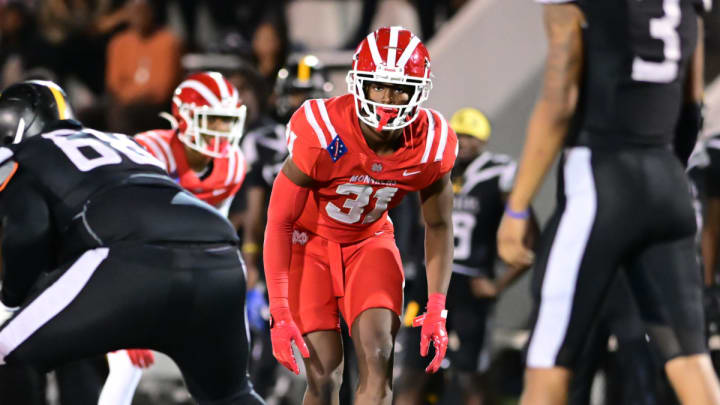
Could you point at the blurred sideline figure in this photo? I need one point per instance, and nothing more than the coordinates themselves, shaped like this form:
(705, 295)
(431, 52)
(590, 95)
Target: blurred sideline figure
(300, 80)
(481, 181)
(615, 102)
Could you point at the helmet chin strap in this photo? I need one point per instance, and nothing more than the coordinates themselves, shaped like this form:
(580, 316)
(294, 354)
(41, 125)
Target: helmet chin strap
(385, 114)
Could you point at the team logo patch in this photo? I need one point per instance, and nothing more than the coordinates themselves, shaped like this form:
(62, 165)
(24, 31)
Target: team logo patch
(336, 148)
(300, 238)
(376, 167)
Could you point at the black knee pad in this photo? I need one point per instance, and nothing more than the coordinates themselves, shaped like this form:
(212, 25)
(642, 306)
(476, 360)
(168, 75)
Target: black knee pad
(676, 343)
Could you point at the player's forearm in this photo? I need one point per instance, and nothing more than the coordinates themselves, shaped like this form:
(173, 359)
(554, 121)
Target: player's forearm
(546, 135)
(695, 83)
(438, 257)
(254, 226)
(709, 253)
(287, 201)
(710, 237)
(552, 114)
(509, 277)
(437, 203)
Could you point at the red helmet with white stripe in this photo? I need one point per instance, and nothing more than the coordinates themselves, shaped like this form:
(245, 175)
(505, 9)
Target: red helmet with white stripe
(390, 55)
(199, 100)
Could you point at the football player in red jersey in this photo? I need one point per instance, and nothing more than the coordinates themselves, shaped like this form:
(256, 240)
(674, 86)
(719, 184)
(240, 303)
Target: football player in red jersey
(202, 154)
(329, 244)
(202, 150)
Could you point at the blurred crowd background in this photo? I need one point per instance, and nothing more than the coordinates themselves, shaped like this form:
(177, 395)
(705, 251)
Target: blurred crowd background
(119, 61)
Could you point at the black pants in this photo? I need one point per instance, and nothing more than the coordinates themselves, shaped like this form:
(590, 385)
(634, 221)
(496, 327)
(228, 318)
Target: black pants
(628, 208)
(185, 301)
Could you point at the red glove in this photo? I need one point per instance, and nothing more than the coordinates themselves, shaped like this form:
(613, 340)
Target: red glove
(141, 358)
(433, 327)
(282, 332)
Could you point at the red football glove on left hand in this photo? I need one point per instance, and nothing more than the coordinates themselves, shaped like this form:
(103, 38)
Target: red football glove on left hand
(283, 331)
(433, 328)
(141, 358)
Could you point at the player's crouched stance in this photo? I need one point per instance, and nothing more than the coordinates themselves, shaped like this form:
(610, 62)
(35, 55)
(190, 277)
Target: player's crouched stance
(329, 245)
(103, 251)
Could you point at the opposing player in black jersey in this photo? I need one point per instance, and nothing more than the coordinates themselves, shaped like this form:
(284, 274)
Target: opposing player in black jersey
(103, 251)
(481, 181)
(620, 76)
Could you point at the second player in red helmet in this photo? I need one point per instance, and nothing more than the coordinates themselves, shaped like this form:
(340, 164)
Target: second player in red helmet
(329, 244)
(201, 152)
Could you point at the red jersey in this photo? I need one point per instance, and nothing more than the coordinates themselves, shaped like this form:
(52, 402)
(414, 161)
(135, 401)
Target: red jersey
(356, 186)
(223, 182)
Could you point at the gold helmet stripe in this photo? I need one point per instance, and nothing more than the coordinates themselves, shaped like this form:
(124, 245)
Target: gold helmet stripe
(303, 73)
(58, 95)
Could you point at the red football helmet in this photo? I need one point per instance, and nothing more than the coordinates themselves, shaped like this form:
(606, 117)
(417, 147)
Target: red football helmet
(390, 55)
(199, 97)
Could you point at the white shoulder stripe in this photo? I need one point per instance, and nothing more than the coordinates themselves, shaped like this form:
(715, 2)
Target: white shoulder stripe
(326, 118)
(203, 90)
(154, 148)
(172, 166)
(313, 123)
(408, 51)
(240, 170)
(430, 136)
(481, 176)
(232, 166)
(443, 137)
(5, 154)
(377, 59)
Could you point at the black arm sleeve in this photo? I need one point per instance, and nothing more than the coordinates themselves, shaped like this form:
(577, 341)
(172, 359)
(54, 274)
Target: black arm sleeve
(26, 239)
(712, 175)
(687, 130)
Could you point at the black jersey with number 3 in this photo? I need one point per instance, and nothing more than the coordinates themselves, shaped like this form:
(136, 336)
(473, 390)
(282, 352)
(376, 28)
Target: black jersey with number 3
(634, 69)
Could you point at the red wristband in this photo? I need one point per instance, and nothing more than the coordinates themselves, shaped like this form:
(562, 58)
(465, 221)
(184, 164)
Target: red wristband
(436, 302)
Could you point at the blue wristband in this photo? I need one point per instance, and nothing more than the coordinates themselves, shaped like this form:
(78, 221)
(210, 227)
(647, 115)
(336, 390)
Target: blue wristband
(525, 214)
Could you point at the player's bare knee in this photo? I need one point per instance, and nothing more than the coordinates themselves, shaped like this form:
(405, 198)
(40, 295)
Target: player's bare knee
(325, 384)
(377, 352)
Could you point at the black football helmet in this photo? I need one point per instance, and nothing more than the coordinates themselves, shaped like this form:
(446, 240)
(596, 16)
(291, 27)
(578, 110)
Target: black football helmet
(302, 79)
(28, 108)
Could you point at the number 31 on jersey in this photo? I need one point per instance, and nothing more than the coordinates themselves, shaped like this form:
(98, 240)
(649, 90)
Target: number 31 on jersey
(356, 206)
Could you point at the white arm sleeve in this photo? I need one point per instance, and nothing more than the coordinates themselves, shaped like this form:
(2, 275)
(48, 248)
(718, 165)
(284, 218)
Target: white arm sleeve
(507, 177)
(120, 385)
(224, 206)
